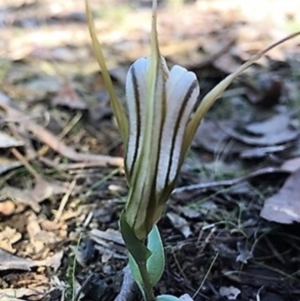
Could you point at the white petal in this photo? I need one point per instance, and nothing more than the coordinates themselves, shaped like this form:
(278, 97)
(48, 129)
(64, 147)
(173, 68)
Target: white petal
(182, 92)
(136, 96)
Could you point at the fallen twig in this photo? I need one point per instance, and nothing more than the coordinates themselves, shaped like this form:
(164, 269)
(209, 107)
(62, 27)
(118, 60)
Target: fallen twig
(13, 115)
(204, 186)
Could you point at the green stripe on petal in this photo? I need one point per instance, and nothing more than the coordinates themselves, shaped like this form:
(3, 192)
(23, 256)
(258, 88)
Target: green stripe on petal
(141, 208)
(182, 92)
(136, 95)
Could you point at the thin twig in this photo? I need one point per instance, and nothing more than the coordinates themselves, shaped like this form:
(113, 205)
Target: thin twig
(64, 201)
(203, 186)
(82, 288)
(24, 162)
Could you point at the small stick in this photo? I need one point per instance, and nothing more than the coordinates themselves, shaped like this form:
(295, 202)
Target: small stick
(84, 285)
(64, 201)
(22, 159)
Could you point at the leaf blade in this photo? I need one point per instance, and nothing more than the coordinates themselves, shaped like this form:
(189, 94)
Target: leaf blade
(117, 108)
(156, 262)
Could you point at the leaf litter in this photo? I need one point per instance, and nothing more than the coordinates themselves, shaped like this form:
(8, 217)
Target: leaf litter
(62, 183)
(284, 207)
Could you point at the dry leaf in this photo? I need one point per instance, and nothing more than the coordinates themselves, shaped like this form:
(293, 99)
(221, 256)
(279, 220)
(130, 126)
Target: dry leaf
(180, 224)
(12, 262)
(53, 261)
(53, 142)
(38, 237)
(275, 130)
(273, 124)
(68, 97)
(185, 297)
(7, 141)
(7, 164)
(188, 212)
(231, 292)
(5, 297)
(291, 165)
(32, 197)
(213, 137)
(266, 90)
(108, 243)
(8, 237)
(45, 189)
(24, 197)
(284, 206)
(260, 152)
(11, 294)
(185, 193)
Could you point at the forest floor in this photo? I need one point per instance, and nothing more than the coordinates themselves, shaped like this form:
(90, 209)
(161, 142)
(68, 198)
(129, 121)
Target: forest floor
(231, 227)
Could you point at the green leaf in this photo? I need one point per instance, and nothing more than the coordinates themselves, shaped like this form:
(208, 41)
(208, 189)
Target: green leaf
(136, 248)
(156, 262)
(116, 105)
(134, 268)
(166, 298)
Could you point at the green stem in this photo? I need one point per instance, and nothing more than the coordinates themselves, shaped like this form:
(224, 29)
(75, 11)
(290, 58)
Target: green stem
(148, 290)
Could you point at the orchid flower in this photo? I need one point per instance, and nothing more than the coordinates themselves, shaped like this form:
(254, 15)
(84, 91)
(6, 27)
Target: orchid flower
(157, 129)
(159, 104)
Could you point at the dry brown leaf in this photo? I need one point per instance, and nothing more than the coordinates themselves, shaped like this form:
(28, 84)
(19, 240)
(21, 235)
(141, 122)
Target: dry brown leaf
(291, 165)
(4, 297)
(186, 297)
(24, 197)
(33, 230)
(273, 131)
(7, 141)
(284, 206)
(272, 138)
(110, 235)
(260, 152)
(226, 63)
(265, 90)
(180, 224)
(192, 191)
(63, 53)
(7, 164)
(68, 97)
(109, 243)
(212, 136)
(32, 197)
(39, 238)
(44, 189)
(231, 292)
(8, 237)
(53, 261)
(10, 294)
(188, 212)
(53, 142)
(12, 262)
(274, 124)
